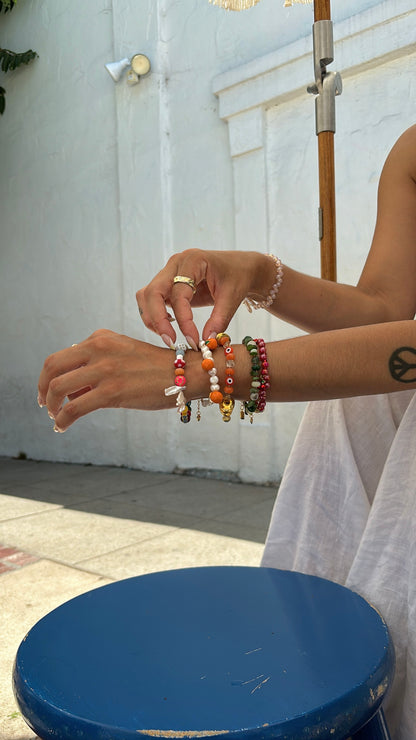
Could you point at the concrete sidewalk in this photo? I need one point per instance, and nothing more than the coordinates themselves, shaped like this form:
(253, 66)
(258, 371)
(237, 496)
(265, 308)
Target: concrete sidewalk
(65, 529)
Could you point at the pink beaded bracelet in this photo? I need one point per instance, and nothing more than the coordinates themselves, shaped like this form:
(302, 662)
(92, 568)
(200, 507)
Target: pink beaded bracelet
(184, 406)
(250, 303)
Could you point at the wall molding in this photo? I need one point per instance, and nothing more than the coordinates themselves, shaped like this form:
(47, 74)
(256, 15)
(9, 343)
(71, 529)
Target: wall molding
(366, 40)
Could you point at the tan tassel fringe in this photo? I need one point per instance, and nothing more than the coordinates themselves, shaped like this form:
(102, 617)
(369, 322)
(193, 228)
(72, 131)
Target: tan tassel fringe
(234, 4)
(245, 4)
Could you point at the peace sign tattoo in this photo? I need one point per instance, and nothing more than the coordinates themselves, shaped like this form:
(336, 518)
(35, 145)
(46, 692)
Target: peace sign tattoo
(402, 365)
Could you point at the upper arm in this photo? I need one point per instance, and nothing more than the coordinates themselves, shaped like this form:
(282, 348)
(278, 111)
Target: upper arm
(390, 269)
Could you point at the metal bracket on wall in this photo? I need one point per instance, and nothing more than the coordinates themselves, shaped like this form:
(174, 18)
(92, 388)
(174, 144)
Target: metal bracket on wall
(327, 84)
(320, 224)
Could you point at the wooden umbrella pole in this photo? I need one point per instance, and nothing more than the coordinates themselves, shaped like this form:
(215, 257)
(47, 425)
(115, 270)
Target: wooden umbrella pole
(327, 205)
(322, 12)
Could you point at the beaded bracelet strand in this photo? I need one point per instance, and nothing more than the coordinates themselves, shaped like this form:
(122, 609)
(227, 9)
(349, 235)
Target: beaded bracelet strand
(215, 395)
(184, 406)
(264, 375)
(250, 303)
(251, 406)
(228, 403)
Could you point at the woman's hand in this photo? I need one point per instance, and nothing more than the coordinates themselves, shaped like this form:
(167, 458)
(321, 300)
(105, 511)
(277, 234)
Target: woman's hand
(107, 370)
(222, 279)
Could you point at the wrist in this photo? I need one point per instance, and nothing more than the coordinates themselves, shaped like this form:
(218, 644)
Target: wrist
(198, 385)
(267, 277)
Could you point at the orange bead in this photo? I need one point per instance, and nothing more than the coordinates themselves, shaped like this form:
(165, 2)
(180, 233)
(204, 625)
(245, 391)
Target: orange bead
(179, 371)
(207, 364)
(216, 396)
(212, 343)
(223, 339)
(229, 371)
(230, 356)
(229, 389)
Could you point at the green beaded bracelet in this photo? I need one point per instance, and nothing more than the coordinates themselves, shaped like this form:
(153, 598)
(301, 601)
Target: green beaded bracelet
(250, 407)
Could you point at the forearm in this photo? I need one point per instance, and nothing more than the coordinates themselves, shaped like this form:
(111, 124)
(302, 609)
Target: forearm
(316, 305)
(385, 291)
(333, 364)
(313, 304)
(110, 370)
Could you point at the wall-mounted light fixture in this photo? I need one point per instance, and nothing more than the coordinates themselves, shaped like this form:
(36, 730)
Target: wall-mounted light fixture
(139, 66)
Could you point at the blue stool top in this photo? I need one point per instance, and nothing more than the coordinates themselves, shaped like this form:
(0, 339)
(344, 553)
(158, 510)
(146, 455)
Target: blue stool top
(253, 652)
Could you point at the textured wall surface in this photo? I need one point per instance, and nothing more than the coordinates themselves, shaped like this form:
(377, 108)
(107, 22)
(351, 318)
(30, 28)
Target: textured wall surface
(216, 148)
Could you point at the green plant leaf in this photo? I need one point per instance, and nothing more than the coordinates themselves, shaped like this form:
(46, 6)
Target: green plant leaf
(2, 100)
(10, 60)
(6, 5)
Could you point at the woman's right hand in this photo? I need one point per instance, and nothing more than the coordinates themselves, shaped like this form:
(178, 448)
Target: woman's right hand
(222, 279)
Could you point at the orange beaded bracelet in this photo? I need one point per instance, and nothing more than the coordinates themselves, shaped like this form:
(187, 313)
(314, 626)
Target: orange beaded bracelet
(228, 403)
(215, 395)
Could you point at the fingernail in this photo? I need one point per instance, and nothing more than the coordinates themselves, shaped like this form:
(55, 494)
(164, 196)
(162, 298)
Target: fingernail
(212, 335)
(51, 416)
(192, 343)
(167, 340)
(57, 430)
(40, 404)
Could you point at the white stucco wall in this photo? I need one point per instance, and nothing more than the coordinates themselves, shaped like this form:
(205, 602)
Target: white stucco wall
(100, 183)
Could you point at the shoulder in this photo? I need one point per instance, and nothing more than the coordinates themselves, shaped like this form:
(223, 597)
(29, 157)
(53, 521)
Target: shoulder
(402, 158)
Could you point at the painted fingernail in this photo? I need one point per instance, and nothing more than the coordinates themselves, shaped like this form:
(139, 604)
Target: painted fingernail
(192, 343)
(212, 335)
(51, 416)
(40, 404)
(167, 340)
(57, 430)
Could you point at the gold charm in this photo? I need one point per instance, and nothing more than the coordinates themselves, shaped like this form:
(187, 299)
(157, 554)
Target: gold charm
(226, 408)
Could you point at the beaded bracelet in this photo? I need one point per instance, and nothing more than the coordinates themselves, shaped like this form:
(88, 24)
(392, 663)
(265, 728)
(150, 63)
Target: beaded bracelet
(250, 303)
(264, 375)
(184, 406)
(215, 395)
(228, 403)
(251, 406)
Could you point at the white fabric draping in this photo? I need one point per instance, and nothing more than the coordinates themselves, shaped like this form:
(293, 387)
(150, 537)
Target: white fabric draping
(346, 511)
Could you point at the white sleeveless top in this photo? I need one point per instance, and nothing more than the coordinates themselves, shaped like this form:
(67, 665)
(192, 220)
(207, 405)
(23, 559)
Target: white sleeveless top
(346, 510)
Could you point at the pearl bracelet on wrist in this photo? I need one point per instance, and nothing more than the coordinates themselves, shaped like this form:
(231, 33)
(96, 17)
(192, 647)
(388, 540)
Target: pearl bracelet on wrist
(251, 304)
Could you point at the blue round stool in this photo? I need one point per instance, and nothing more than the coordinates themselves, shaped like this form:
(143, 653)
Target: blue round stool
(252, 653)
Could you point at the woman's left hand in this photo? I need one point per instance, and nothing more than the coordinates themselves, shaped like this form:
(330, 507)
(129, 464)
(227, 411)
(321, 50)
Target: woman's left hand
(107, 370)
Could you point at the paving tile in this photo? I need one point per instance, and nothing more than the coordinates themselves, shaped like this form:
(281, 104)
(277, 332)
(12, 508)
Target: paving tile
(179, 549)
(27, 595)
(12, 507)
(69, 488)
(6, 551)
(125, 506)
(258, 515)
(201, 498)
(20, 559)
(69, 536)
(11, 559)
(25, 471)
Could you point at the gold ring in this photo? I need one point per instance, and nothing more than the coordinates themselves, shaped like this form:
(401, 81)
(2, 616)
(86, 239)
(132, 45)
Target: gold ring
(186, 280)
